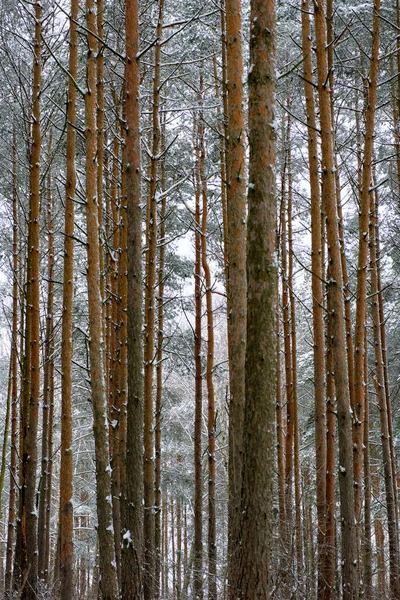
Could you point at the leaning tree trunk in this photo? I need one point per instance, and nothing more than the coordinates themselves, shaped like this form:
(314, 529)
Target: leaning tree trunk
(258, 457)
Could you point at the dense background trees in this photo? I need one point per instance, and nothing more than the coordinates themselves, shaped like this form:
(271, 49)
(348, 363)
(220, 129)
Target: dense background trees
(187, 413)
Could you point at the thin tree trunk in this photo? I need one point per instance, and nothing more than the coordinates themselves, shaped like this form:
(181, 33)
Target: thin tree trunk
(122, 341)
(132, 533)
(66, 464)
(346, 288)
(166, 547)
(107, 566)
(380, 543)
(198, 475)
(280, 452)
(14, 378)
(163, 550)
(367, 554)
(287, 341)
(386, 374)
(350, 583)
(117, 345)
(328, 583)
(254, 573)
(48, 386)
(360, 376)
(382, 405)
(159, 375)
(26, 548)
(296, 434)
(236, 284)
(212, 549)
(178, 549)
(318, 297)
(222, 156)
(100, 136)
(172, 506)
(149, 328)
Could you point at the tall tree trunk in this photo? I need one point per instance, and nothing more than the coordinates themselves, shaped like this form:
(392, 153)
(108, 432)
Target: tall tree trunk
(318, 296)
(296, 433)
(328, 583)
(350, 582)
(117, 346)
(178, 548)
(254, 573)
(380, 543)
(198, 476)
(212, 549)
(367, 549)
(173, 549)
(100, 135)
(26, 562)
(383, 413)
(280, 451)
(382, 329)
(14, 378)
(159, 374)
(107, 584)
(149, 327)
(132, 533)
(48, 385)
(346, 288)
(66, 464)
(236, 284)
(222, 152)
(287, 341)
(122, 341)
(360, 377)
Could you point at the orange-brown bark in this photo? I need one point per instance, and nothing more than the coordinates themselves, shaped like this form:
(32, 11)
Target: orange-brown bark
(198, 493)
(360, 377)
(132, 489)
(350, 583)
(260, 372)
(66, 465)
(14, 378)
(394, 566)
(317, 295)
(107, 583)
(212, 549)
(48, 389)
(236, 257)
(149, 326)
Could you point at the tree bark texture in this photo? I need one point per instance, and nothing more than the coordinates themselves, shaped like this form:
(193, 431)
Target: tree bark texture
(258, 464)
(236, 284)
(107, 584)
(350, 583)
(132, 532)
(66, 465)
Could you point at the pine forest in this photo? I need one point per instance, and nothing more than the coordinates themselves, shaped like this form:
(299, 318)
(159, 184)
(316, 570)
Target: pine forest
(199, 299)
